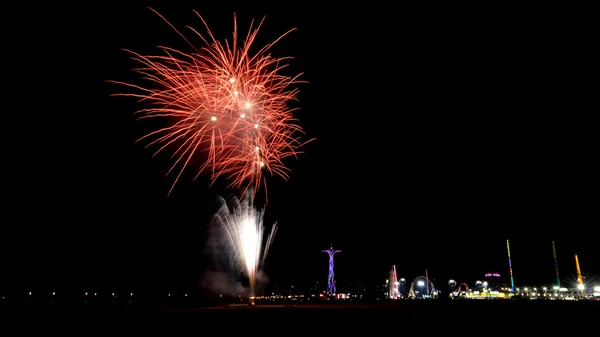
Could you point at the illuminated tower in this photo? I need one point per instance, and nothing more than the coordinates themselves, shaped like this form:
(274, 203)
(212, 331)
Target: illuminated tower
(555, 264)
(579, 275)
(393, 284)
(512, 281)
(331, 278)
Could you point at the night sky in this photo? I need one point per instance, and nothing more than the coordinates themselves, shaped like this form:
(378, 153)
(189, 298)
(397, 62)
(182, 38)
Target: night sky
(439, 134)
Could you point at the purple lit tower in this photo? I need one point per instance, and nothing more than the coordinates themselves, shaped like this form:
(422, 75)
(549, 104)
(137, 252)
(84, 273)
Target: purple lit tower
(331, 278)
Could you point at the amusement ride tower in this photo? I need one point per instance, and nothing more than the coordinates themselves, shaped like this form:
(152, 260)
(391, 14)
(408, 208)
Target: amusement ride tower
(331, 278)
(555, 264)
(512, 280)
(579, 276)
(393, 284)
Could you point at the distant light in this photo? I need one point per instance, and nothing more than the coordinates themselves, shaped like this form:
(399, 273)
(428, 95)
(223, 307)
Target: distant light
(213, 118)
(256, 126)
(86, 293)
(231, 80)
(53, 293)
(185, 295)
(243, 115)
(130, 294)
(30, 293)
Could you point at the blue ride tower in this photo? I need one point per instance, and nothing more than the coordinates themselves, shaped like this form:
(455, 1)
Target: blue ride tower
(331, 278)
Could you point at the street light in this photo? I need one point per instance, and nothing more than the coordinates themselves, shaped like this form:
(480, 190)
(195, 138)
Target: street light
(581, 287)
(421, 284)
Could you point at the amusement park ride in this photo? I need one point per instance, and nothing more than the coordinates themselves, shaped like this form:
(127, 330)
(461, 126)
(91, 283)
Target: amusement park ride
(422, 281)
(331, 290)
(490, 286)
(493, 287)
(579, 276)
(393, 285)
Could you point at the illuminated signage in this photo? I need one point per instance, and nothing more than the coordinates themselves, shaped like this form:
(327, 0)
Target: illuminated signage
(492, 275)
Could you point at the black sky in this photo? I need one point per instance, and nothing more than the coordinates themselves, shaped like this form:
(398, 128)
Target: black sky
(440, 133)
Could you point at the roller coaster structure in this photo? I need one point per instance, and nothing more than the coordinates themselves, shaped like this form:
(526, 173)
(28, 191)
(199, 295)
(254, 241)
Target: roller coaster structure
(412, 294)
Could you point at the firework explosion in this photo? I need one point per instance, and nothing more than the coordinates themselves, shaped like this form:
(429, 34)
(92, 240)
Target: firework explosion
(240, 233)
(224, 101)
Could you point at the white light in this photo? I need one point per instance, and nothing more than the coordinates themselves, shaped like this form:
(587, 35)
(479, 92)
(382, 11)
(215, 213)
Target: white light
(235, 93)
(231, 80)
(256, 126)
(248, 105)
(213, 118)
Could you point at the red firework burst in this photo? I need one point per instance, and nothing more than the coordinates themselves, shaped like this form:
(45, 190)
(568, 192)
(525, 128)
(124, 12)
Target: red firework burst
(224, 101)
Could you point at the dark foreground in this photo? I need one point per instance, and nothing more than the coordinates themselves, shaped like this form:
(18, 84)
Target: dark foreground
(466, 317)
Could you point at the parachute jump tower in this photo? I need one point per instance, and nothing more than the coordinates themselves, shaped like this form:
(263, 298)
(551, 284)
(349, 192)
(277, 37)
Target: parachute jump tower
(331, 278)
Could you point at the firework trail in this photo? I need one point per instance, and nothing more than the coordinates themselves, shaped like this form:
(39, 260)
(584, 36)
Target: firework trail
(239, 231)
(224, 101)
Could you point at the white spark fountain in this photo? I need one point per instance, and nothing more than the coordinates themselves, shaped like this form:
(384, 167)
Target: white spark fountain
(240, 232)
